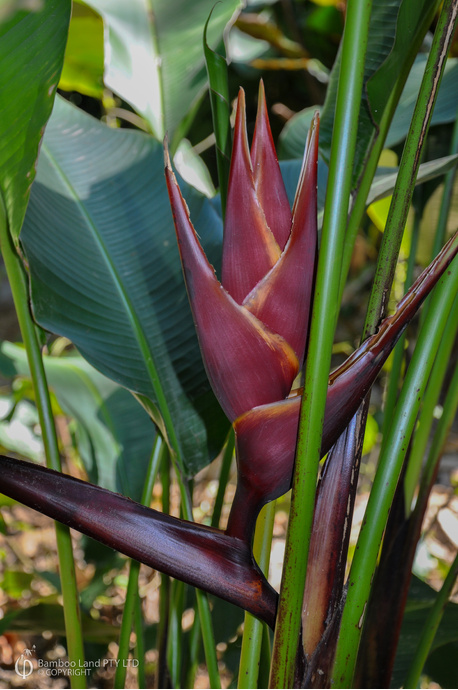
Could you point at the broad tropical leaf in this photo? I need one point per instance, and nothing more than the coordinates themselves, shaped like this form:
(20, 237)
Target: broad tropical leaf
(114, 435)
(32, 43)
(154, 58)
(105, 270)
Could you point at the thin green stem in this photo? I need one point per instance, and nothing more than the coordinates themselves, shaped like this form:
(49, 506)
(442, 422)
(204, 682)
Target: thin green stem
(408, 169)
(325, 309)
(140, 646)
(366, 179)
(447, 195)
(391, 460)
(203, 606)
(175, 639)
(156, 459)
(18, 283)
(426, 417)
(446, 201)
(223, 478)
(165, 589)
(194, 646)
(396, 441)
(395, 378)
(437, 444)
(430, 628)
(253, 630)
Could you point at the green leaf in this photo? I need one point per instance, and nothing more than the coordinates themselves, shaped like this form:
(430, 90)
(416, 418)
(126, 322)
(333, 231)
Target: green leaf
(294, 133)
(445, 107)
(114, 434)
(32, 44)
(421, 598)
(396, 31)
(381, 187)
(155, 58)
(83, 61)
(105, 270)
(385, 178)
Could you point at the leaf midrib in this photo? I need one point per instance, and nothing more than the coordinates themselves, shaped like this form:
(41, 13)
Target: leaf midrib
(134, 321)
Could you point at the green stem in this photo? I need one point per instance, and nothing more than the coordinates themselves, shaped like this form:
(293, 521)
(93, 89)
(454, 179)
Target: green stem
(431, 625)
(396, 442)
(156, 458)
(140, 646)
(175, 639)
(446, 201)
(194, 645)
(391, 460)
(223, 478)
(408, 169)
(438, 441)
(394, 382)
(366, 179)
(19, 288)
(325, 309)
(253, 630)
(447, 196)
(165, 589)
(429, 402)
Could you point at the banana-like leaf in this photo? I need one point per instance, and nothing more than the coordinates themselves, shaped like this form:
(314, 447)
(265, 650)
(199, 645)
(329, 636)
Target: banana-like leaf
(153, 54)
(83, 62)
(397, 29)
(293, 134)
(382, 186)
(114, 435)
(105, 271)
(32, 43)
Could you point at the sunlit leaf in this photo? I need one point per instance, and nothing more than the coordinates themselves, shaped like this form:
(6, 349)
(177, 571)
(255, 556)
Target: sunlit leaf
(32, 44)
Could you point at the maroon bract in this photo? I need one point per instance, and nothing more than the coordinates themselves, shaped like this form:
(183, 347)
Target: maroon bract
(252, 327)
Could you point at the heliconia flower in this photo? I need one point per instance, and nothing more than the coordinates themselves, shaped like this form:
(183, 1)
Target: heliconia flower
(266, 435)
(252, 326)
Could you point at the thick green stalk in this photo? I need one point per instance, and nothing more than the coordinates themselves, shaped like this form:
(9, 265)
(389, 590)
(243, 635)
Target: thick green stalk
(156, 458)
(323, 322)
(426, 417)
(431, 625)
(390, 465)
(253, 628)
(18, 283)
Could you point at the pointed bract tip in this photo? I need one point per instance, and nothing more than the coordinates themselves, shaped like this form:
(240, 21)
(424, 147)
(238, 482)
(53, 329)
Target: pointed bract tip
(167, 162)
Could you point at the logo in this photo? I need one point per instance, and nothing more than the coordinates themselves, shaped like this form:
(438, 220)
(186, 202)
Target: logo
(23, 665)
